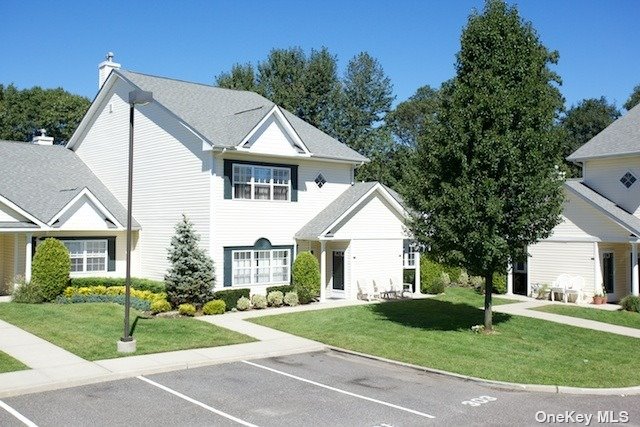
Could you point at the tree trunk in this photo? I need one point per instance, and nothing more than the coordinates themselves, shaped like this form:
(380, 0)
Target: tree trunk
(488, 291)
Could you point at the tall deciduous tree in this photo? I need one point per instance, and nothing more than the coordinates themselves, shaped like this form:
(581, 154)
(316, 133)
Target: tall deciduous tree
(584, 121)
(412, 118)
(322, 90)
(281, 78)
(634, 99)
(488, 184)
(23, 112)
(241, 76)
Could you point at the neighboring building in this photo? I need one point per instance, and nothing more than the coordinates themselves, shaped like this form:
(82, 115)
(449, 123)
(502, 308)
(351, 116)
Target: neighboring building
(258, 183)
(599, 233)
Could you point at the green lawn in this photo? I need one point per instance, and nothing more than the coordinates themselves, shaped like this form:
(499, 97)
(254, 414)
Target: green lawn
(621, 318)
(91, 330)
(436, 333)
(9, 364)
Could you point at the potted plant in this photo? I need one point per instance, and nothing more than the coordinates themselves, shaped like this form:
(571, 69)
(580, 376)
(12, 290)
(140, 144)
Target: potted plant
(599, 296)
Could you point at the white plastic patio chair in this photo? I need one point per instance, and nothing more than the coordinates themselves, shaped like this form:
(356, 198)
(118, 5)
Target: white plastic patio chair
(575, 287)
(560, 286)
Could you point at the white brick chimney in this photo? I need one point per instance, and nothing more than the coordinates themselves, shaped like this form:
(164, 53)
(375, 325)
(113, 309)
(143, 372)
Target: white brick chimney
(105, 67)
(42, 139)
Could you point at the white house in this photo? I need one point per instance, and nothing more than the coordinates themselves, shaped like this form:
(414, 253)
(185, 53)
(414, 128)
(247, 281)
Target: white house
(259, 184)
(599, 233)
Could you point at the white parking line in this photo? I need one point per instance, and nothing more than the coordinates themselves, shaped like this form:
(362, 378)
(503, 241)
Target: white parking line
(17, 414)
(359, 396)
(196, 402)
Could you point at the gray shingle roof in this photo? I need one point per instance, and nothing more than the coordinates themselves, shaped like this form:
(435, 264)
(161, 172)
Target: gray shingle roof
(44, 179)
(226, 116)
(604, 205)
(621, 137)
(336, 209)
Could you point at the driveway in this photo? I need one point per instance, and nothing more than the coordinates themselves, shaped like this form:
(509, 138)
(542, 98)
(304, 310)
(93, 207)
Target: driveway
(322, 388)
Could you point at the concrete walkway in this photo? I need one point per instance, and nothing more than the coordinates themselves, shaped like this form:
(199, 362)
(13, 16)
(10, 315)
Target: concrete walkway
(524, 309)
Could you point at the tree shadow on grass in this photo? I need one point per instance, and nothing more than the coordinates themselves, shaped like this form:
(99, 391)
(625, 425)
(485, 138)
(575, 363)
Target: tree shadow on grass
(434, 315)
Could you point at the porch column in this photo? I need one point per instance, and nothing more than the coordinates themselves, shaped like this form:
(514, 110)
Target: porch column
(323, 271)
(417, 273)
(510, 278)
(597, 269)
(16, 251)
(28, 259)
(635, 288)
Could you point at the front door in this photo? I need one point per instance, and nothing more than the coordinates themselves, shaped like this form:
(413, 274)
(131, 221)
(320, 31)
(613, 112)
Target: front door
(338, 270)
(608, 277)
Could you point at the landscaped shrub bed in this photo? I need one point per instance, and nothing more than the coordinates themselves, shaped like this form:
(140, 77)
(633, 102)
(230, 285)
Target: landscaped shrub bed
(231, 296)
(136, 283)
(630, 303)
(282, 288)
(113, 291)
(137, 303)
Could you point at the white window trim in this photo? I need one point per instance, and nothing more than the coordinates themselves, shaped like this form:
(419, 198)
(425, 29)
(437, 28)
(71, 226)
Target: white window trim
(252, 182)
(84, 255)
(253, 267)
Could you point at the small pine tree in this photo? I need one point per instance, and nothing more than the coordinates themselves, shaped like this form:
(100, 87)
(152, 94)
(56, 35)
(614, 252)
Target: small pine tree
(51, 268)
(306, 277)
(191, 278)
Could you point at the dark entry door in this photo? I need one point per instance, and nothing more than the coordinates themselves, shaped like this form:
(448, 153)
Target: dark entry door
(607, 272)
(338, 270)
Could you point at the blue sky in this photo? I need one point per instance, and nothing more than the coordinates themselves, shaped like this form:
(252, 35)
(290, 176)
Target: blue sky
(59, 43)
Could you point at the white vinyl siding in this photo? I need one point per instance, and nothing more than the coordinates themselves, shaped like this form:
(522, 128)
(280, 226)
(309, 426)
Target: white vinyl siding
(603, 175)
(261, 182)
(549, 259)
(172, 174)
(260, 267)
(374, 210)
(376, 261)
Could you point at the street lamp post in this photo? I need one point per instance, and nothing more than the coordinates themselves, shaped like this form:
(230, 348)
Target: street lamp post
(127, 344)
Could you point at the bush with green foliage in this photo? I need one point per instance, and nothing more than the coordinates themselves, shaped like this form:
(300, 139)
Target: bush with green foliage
(445, 279)
(274, 298)
(291, 299)
(630, 303)
(306, 277)
(137, 303)
(217, 306)
(258, 301)
(51, 268)
(499, 283)
(154, 286)
(434, 287)
(463, 280)
(112, 291)
(243, 304)
(160, 306)
(191, 278)
(431, 272)
(231, 296)
(187, 309)
(27, 293)
(282, 288)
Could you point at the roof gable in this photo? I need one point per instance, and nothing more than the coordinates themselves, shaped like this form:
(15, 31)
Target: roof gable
(274, 135)
(224, 118)
(620, 138)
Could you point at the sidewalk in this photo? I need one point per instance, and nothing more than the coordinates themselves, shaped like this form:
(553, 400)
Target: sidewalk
(53, 367)
(523, 309)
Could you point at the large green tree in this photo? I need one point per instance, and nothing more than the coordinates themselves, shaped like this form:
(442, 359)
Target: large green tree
(23, 112)
(634, 99)
(487, 183)
(584, 121)
(321, 89)
(411, 119)
(241, 76)
(281, 78)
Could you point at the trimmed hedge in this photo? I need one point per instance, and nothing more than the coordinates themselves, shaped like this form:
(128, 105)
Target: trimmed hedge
(231, 296)
(51, 268)
(217, 306)
(187, 309)
(306, 277)
(631, 303)
(282, 288)
(154, 286)
(137, 303)
(112, 291)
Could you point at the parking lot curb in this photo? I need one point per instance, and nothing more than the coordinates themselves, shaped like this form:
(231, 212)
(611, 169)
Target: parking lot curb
(542, 388)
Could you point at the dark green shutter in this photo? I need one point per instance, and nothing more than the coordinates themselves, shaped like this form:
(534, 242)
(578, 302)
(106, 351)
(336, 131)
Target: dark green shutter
(294, 183)
(228, 172)
(227, 267)
(111, 251)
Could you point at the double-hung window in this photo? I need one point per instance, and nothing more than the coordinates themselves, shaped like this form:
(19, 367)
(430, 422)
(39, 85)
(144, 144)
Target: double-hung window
(256, 267)
(87, 255)
(261, 182)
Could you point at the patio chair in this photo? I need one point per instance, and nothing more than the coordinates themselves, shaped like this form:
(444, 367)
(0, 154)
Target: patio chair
(575, 287)
(363, 294)
(560, 286)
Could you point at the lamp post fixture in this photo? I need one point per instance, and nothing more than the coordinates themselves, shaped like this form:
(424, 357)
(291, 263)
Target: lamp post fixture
(127, 344)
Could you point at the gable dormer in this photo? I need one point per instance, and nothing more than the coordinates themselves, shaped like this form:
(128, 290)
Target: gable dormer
(274, 135)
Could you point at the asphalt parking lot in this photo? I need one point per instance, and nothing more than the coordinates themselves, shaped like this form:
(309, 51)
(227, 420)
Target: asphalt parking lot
(325, 388)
